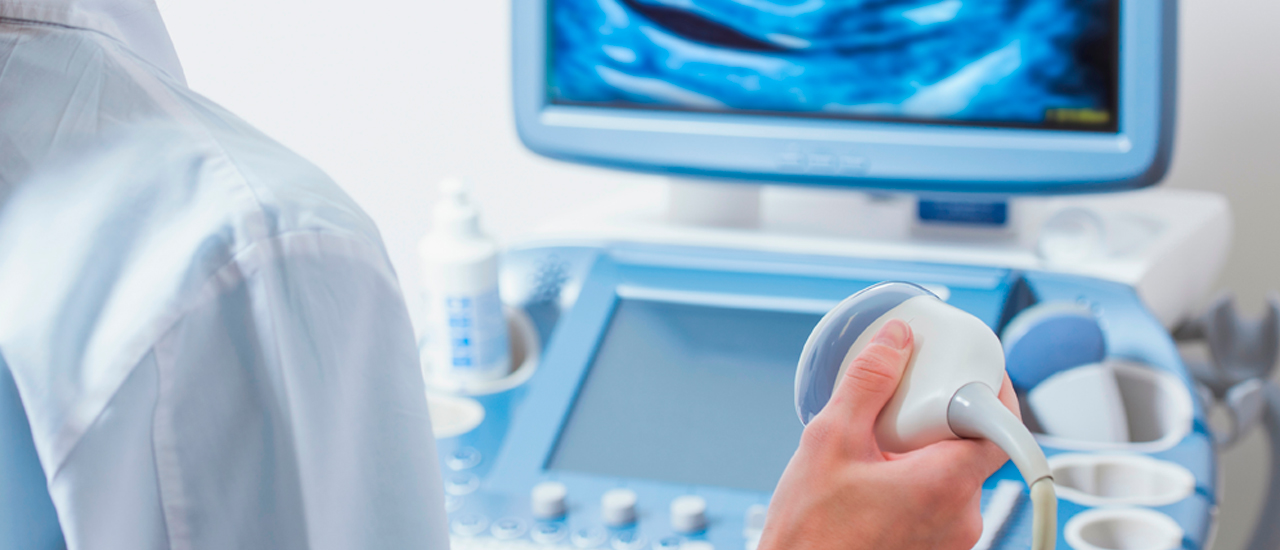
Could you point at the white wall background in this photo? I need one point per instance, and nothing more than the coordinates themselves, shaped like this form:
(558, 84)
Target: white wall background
(390, 96)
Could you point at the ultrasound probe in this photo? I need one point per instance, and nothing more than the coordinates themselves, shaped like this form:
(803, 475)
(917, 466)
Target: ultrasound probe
(948, 390)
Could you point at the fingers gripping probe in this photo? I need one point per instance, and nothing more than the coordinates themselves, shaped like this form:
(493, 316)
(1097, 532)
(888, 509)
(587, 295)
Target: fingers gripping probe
(948, 391)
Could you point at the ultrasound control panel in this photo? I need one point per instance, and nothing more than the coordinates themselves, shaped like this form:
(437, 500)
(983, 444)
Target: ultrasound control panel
(660, 414)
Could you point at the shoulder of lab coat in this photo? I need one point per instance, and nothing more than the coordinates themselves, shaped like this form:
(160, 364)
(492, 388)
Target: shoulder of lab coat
(158, 247)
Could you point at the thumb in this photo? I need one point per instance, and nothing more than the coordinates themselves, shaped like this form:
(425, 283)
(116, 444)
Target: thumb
(872, 378)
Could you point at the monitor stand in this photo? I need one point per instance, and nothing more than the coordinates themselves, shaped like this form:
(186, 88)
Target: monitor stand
(709, 204)
(1168, 244)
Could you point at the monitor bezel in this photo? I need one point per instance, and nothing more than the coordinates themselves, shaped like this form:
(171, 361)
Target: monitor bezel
(904, 156)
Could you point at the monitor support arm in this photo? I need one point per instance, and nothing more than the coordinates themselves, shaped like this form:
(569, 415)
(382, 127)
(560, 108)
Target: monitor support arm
(713, 204)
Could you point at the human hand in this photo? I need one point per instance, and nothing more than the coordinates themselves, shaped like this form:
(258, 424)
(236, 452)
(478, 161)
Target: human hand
(841, 491)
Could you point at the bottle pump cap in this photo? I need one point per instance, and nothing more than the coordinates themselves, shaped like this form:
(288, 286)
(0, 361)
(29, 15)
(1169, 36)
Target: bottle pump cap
(456, 214)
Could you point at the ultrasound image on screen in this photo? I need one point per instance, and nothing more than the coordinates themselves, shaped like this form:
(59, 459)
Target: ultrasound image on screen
(1022, 63)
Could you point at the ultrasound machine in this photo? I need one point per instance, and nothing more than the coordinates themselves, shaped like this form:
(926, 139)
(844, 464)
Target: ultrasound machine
(994, 152)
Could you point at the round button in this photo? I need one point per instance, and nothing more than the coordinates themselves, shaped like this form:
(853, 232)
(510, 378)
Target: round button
(461, 484)
(753, 521)
(688, 514)
(470, 525)
(588, 537)
(548, 532)
(463, 459)
(668, 543)
(618, 507)
(508, 528)
(453, 416)
(453, 503)
(547, 499)
(627, 540)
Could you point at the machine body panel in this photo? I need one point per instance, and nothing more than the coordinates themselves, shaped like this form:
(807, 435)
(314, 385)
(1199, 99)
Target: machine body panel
(589, 301)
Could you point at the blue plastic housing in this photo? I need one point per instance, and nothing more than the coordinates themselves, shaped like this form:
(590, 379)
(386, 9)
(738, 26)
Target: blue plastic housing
(928, 157)
(1049, 338)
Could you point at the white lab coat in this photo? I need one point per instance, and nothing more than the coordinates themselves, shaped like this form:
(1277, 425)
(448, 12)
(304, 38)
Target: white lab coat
(208, 340)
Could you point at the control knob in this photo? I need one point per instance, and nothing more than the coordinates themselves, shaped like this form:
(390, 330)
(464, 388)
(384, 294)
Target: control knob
(547, 500)
(688, 514)
(618, 507)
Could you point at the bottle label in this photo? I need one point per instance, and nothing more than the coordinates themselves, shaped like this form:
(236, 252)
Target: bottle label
(477, 332)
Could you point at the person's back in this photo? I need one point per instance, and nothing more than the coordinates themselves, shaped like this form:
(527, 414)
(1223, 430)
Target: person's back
(207, 338)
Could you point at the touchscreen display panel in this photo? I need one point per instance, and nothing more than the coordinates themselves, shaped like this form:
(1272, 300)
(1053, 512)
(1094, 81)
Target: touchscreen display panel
(689, 394)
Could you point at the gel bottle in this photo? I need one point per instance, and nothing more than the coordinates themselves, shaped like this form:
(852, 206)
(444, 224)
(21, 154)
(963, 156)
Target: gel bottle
(467, 339)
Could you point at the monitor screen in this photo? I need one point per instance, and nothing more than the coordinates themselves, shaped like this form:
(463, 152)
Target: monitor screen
(1043, 64)
(689, 394)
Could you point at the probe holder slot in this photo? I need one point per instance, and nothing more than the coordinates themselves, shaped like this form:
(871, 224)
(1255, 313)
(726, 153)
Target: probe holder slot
(1135, 408)
(1120, 479)
(1123, 529)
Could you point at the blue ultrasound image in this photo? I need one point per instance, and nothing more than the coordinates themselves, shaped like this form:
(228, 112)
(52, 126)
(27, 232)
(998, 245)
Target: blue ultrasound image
(1023, 63)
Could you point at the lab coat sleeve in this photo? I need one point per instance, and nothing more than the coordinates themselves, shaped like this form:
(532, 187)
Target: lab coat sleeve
(291, 411)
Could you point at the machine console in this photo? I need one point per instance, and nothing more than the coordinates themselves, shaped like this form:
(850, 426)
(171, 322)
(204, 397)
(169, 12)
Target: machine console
(661, 415)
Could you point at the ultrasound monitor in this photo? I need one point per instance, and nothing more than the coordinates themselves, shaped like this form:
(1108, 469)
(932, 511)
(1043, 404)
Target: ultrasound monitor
(990, 96)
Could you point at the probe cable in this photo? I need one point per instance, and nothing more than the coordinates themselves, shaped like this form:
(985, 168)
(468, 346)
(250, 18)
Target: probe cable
(976, 412)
